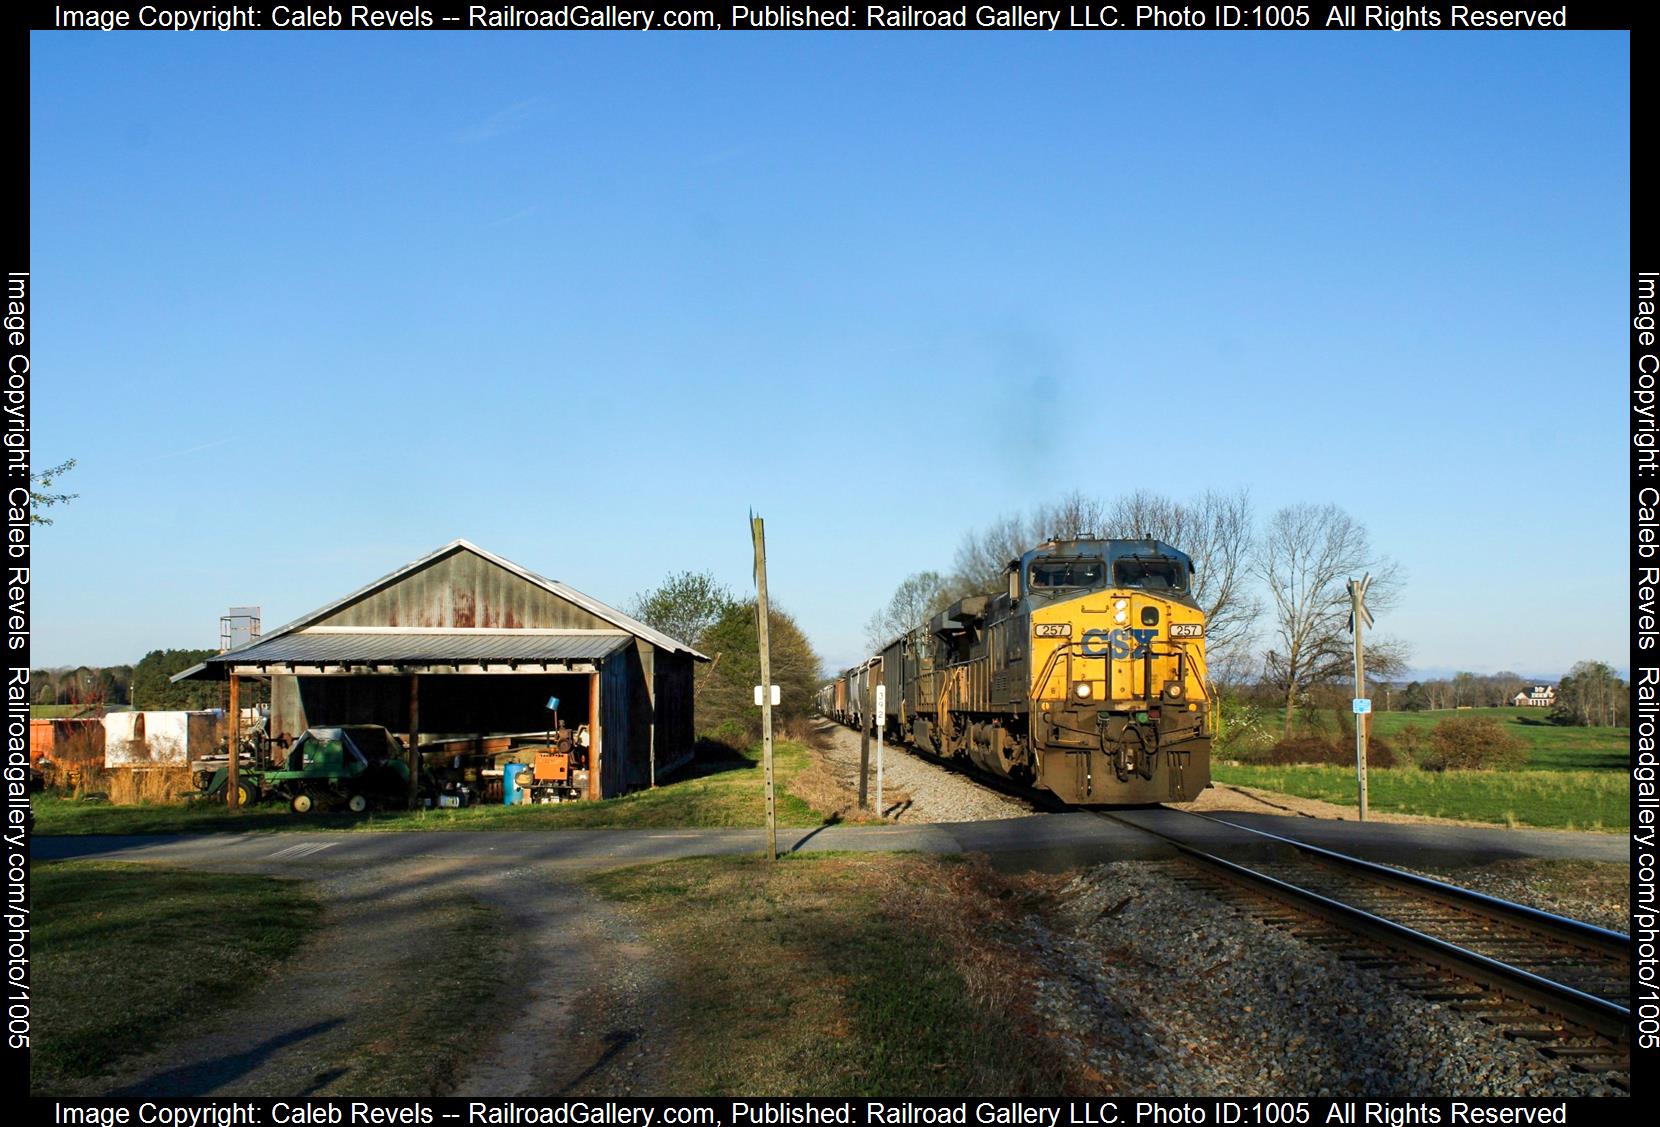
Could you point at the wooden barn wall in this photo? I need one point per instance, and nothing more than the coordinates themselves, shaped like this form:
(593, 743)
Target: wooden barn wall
(464, 590)
(673, 678)
(450, 704)
(615, 690)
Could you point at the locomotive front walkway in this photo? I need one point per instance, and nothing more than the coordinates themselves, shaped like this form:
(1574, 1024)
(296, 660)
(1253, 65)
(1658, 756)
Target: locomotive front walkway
(1040, 840)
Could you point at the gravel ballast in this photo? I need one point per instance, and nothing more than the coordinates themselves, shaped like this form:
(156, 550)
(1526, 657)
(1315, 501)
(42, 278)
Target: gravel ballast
(1165, 990)
(915, 790)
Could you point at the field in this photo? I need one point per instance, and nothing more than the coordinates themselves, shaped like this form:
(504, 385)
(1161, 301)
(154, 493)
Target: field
(96, 923)
(1574, 779)
(853, 975)
(1569, 800)
(719, 790)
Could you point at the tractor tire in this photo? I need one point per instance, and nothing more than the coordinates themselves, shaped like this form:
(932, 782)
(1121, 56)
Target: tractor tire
(357, 803)
(246, 794)
(300, 803)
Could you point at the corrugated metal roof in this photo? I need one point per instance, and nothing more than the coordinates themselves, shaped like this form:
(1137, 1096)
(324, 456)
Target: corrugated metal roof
(426, 647)
(565, 591)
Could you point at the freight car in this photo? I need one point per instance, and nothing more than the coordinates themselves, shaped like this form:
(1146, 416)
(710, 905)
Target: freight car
(1085, 677)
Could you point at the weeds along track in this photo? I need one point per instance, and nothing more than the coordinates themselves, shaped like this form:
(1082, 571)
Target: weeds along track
(1560, 984)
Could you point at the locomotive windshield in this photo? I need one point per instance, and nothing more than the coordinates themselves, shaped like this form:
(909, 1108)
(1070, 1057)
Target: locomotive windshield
(1050, 574)
(1156, 571)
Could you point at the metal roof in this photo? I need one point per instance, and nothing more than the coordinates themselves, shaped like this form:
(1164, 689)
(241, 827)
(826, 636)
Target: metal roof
(593, 606)
(420, 647)
(563, 590)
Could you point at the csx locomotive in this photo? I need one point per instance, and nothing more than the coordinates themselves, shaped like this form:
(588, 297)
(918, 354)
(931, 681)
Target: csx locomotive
(1086, 677)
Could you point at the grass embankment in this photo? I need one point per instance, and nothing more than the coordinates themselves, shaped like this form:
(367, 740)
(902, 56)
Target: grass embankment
(1574, 778)
(840, 975)
(718, 790)
(1571, 800)
(124, 956)
(132, 959)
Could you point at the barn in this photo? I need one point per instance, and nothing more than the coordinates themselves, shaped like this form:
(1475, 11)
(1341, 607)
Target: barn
(463, 645)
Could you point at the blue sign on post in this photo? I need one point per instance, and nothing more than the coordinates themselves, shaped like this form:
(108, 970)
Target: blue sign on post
(1362, 705)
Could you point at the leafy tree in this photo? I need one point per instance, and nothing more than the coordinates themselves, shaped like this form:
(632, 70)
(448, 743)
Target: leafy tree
(151, 689)
(1591, 694)
(684, 606)
(40, 499)
(1414, 699)
(1304, 558)
(725, 704)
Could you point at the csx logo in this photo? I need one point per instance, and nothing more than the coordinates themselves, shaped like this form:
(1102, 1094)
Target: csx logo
(1120, 643)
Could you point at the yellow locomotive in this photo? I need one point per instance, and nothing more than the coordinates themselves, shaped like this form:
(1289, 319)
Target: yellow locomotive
(1086, 677)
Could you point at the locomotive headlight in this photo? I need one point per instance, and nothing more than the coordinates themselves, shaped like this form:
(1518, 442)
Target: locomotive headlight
(1173, 690)
(1120, 617)
(1082, 690)
(1120, 604)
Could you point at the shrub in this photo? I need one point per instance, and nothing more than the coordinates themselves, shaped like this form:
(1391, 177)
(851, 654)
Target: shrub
(1472, 743)
(1320, 749)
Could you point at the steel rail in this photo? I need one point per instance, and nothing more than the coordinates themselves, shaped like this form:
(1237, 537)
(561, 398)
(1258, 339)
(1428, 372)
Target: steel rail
(1603, 941)
(1608, 1019)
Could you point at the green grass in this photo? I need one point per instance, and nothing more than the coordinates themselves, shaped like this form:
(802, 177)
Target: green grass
(124, 956)
(1550, 747)
(714, 792)
(835, 975)
(1577, 800)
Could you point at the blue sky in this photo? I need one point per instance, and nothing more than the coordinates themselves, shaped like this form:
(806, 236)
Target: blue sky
(309, 306)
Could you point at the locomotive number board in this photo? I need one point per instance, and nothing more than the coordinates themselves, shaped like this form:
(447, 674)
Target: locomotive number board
(1051, 629)
(1187, 630)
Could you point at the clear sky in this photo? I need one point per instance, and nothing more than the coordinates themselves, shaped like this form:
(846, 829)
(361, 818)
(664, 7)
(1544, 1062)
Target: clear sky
(311, 305)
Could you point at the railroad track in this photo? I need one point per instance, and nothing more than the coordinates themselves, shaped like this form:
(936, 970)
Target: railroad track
(1560, 984)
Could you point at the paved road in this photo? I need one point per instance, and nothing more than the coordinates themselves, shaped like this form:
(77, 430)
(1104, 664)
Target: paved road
(1040, 840)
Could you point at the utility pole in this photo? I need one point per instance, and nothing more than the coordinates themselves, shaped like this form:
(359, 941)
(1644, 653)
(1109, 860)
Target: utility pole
(1360, 617)
(759, 533)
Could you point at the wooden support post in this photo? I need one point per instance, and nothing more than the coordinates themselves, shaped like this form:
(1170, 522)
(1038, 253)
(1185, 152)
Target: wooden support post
(233, 782)
(593, 735)
(414, 740)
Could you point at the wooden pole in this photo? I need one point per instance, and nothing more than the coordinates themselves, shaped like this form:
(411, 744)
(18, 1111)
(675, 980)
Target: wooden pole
(414, 740)
(234, 761)
(761, 628)
(593, 736)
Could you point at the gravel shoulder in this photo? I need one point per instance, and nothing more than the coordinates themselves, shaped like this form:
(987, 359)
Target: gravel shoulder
(914, 790)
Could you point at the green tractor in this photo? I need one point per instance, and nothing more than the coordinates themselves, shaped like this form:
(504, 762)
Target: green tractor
(354, 766)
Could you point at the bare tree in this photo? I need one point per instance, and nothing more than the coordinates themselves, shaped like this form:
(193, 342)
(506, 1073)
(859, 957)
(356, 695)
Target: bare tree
(917, 599)
(1303, 558)
(1217, 532)
(982, 555)
(1072, 517)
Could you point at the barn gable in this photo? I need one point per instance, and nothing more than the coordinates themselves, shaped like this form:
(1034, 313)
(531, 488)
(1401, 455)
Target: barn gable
(461, 589)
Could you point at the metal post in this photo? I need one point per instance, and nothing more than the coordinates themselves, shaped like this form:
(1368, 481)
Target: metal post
(234, 762)
(414, 748)
(761, 626)
(1357, 610)
(864, 759)
(593, 735)
(881, 720)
